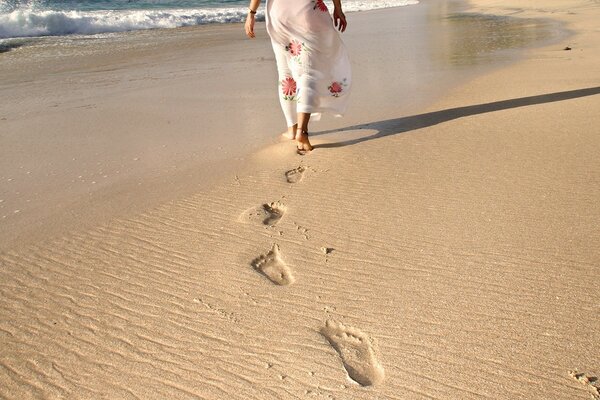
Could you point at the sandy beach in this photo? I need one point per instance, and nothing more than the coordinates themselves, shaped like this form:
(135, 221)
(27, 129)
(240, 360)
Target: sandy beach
(440, 242)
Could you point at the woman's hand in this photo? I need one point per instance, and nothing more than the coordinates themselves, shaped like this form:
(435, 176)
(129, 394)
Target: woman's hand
(339, 19)
(250, 26)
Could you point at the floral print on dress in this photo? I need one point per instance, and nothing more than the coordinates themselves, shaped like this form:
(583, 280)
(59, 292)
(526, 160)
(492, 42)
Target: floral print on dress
(296, 49)
(336, 88)
(289, 88)
(309, 49)
(320, 5)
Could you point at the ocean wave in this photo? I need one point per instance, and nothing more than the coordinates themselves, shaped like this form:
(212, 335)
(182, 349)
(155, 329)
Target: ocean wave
(27, 23)
(32, 22)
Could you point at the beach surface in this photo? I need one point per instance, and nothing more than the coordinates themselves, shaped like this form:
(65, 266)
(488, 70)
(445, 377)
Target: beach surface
(440, 242)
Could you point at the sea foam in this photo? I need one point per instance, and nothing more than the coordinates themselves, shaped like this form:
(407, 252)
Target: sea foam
(32, 21)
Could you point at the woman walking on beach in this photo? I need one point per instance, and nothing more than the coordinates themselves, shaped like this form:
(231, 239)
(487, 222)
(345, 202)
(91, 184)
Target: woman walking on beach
(312, 62)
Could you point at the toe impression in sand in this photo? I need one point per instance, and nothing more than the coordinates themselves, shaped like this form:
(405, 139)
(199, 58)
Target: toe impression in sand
(273, 267)
(274, 212)
(268, 214)
(357, 352)
(295, 175)
(591, 382)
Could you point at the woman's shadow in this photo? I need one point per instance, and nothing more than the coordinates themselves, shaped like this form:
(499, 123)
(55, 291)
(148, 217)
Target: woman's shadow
(406, 124)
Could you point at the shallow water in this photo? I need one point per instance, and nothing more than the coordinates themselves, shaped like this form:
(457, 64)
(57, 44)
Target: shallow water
(477, 38)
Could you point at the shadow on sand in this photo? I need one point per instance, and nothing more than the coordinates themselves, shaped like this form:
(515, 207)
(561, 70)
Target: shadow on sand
(406, 124)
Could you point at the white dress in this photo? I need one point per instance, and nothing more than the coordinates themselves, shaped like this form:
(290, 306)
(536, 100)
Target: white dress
(312, 61)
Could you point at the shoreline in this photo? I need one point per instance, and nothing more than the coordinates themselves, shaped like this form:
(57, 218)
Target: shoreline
(29, 21)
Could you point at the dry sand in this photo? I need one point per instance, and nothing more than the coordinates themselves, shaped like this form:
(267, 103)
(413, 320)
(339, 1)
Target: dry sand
(451, 253)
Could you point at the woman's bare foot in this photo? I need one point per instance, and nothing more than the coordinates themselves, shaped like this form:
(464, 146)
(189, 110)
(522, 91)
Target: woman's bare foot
(290, 134)
(302, 142)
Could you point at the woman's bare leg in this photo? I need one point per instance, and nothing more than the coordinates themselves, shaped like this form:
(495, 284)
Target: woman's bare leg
(291, 132)
(302, 133)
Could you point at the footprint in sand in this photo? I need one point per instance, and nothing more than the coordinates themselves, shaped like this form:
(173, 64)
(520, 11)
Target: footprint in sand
(356, 351)
(272, 266)
(268, 214)
(591, 382)
(295, 175)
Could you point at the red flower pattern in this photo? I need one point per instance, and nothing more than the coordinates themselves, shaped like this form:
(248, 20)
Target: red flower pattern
(288, 86)
(319, 4)
(295, 48)
(336, 88)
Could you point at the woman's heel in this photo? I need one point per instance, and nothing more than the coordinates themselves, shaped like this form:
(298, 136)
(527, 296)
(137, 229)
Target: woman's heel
(303, 146)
